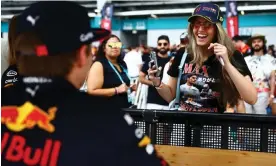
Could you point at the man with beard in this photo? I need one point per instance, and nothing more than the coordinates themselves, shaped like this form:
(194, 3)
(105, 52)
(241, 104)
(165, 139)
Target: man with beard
(154, 100)
(262, 70)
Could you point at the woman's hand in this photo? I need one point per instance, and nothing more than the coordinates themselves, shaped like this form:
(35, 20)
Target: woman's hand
(152, 72)
(221, 52)
(122, 89)
(133, 87)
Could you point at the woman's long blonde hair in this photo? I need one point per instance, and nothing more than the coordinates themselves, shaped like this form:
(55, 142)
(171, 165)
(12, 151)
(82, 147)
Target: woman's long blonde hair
(230, 93)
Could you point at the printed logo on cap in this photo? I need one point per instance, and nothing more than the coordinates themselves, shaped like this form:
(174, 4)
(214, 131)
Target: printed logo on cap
(11, 73)
(86, 37)
(32, 20)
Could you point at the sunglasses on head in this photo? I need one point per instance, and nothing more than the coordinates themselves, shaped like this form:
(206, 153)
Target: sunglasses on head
(115, 45)
(164, 44)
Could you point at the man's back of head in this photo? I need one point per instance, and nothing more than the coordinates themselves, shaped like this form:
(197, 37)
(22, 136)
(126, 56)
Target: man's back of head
(49, 118)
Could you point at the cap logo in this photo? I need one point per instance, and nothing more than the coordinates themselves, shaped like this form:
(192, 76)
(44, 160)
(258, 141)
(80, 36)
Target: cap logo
(208, 9)
(32, 20)
(85, 37)
(197, 9)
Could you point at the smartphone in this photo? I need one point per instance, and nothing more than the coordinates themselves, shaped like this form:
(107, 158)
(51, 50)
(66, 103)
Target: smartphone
(153, 58)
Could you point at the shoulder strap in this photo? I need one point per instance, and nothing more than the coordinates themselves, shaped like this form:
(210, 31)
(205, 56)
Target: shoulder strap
(180, 68)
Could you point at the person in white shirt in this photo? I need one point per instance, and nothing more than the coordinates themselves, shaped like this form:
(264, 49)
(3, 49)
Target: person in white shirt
(4, 55)
(134, 63)
(262, 70)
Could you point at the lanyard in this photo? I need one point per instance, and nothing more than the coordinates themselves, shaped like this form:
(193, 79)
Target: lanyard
(124, 70)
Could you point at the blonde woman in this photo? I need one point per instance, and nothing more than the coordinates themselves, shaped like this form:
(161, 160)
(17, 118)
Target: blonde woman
(223, 77)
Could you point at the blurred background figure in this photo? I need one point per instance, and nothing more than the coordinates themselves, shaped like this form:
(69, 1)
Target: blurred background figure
(154, 100)
(262, 70)
(241, 45)
(94, 51)
(184, 40)
(271, 50)
(10, 75)
(4, 55)
(133, 60)
(108, 76)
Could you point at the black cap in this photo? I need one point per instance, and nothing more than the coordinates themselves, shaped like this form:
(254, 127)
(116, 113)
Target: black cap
(237, 38)
(209, 11)
(61, 25)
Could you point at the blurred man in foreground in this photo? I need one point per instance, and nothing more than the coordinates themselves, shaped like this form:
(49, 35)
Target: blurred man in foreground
(50, 122)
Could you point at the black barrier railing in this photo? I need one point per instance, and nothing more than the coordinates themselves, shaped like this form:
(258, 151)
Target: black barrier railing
(210, 130)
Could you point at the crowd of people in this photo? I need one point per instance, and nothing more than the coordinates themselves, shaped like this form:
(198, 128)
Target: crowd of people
(256, 61)
(207, 72)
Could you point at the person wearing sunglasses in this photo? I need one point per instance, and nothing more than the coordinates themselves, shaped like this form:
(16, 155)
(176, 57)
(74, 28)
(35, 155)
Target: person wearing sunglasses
(212, 56)
(154, 100)
(108, 76)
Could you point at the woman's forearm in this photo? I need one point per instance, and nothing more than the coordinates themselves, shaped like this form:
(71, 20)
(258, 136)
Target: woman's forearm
(243, 85)
(103, 92)
(166, 93)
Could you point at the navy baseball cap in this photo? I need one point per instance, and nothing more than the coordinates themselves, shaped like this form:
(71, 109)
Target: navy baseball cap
(209, 11)
(62, 26)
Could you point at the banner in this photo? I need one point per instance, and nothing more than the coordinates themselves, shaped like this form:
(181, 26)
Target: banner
(232, 21)
(107, 13)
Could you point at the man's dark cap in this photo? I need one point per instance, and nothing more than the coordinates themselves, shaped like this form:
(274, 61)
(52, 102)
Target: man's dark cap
(62, 26)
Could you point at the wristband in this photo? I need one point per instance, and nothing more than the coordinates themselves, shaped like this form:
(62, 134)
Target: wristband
(116, 92)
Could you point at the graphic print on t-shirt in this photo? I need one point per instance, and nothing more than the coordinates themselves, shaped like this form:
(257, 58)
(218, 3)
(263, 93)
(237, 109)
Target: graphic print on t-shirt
(198, 89)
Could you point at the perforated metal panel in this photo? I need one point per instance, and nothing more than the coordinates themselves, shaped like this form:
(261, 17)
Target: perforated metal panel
(210, 136)
(218, 134)
(141, 125)
(243, 138)
(272, 140)
(163, 133)
(178, 135)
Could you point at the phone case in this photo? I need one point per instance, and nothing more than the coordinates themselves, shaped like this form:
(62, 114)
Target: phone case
(154, 59)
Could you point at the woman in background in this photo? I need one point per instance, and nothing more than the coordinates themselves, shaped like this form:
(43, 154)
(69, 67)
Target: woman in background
(108, 75)
(10, 75)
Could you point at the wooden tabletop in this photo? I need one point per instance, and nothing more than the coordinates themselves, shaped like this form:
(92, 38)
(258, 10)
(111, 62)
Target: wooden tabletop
(187, 156)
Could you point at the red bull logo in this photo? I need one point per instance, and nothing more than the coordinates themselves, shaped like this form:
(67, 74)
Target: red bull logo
(27, 116)
(15, 149)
